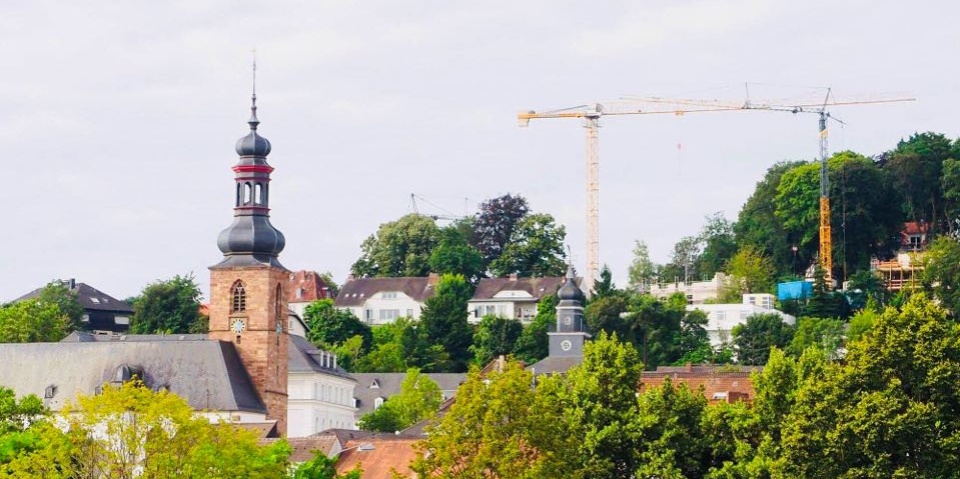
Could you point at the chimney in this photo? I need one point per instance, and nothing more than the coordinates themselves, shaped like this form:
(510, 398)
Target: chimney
(351, 277)
(72, 283)
(513, 276)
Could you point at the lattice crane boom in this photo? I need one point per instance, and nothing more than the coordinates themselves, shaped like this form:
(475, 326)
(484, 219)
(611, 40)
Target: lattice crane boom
(634, 105)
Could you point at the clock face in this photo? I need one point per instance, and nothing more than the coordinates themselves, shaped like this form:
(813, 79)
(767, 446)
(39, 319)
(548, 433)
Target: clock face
(238, 326)
(566, 345)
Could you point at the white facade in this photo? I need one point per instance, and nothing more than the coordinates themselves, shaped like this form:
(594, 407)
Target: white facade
(722, 318)
(385, 307)
(318, 402)
(696, 291)
(512, 304)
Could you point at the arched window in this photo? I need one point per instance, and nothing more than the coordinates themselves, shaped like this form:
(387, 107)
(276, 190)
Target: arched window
(278, 297)
(247, 193)
(239, 295)
(239, 194)
(258, 193)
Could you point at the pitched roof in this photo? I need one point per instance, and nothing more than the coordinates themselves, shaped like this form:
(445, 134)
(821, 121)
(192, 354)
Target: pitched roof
(356, 291)
(555, 364)
(306, 358)
(90, 298)
(208, 374)
(311, 287)
(536, 287)
(306, 448)
(378, 456)
(389, 384)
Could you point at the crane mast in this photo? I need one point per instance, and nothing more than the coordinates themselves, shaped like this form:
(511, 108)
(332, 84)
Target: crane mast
(592, 125)
(826, 237)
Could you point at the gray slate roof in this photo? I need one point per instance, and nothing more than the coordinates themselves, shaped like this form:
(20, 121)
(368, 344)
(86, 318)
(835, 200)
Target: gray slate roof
(536, 287)
(306, 358)
(356, 291)
(90, 298)
(389, 384)
(555, 364)
(209, 374)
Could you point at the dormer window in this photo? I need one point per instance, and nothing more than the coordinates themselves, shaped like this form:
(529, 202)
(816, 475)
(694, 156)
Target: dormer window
(389, 295)
(239, 296)
(377, 403)
(374, 384)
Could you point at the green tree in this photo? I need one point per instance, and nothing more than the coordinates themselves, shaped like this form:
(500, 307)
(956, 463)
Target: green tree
(671, 437)
(454, 255)
(535, 249)
(131, 431)
(419, 398)
(16, 420)
(754, 338)
(694, 342)
(867, 286)
(749, 271)
(916, 167)
(171, 306)
(533, 343)
(719, 245)
(825, 303)
(641, 271)
(603, 314)
(443, 320)
(494, 225)
(66, 300)
(655, 328)
(861, 323)
(494, 336)
(893, 403)
(399, 248)
(32, 321)
(329, 326)
(683, 260)
(757, 224)
(323, 467)
(825, 334)
(600, 407)
(941, 272)
(399, 346)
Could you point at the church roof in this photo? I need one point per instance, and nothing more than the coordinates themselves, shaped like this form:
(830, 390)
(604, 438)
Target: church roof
(208, 374)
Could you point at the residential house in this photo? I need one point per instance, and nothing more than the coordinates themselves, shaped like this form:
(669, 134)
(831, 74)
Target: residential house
(305, 288)
(722, 318)
(511, 297)
(379, 456)
(102, 313)
(373, 389)
(721, 383)
(383, 300)
(320, 393)
(697, 292)
(904, 269)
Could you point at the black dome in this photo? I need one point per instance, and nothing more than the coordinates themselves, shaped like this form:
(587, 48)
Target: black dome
(253, 145)
(570, 291)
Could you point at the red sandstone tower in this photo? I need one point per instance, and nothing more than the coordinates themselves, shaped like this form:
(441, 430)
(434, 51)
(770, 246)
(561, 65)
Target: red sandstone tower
(248, 297)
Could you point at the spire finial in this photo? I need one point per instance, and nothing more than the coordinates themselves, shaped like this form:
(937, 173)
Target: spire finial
(254, 121)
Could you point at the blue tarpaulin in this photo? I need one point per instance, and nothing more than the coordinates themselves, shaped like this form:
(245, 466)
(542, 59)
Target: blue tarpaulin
(794, 290)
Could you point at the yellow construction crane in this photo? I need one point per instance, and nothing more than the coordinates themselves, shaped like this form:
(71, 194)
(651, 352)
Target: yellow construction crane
(591, 114)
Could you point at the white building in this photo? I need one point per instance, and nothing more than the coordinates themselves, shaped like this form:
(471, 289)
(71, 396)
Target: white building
(722, 318)
(383, 300)
(696, 291)
(510, 297)
(321, 394)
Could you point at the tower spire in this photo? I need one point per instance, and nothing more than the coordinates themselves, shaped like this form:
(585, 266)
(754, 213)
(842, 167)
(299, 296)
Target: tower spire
(254, 121)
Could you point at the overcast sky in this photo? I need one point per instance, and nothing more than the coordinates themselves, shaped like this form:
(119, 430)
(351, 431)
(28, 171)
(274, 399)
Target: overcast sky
(118, 119)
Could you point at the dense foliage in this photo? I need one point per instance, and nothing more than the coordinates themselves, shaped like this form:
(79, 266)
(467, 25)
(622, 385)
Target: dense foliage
(171, 307)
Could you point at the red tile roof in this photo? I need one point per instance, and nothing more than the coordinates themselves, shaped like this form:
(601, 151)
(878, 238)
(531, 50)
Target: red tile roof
(310, 285)
(379, 456)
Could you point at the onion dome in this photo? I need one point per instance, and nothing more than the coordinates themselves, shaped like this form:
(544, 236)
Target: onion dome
(570, 291)
(253, 144)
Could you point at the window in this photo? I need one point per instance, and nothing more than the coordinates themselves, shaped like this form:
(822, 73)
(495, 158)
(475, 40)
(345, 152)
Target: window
(258, 193)
(689, 299)
(409, 313)
(121, 320)
(299, 293)
(721, 315)
(489, 310)
(239, 295)
(377, 403)
(95, 300)
(752, 300)
(247, 193)
(278, 306)
(389, 314)
(368, 315)
(389, 295)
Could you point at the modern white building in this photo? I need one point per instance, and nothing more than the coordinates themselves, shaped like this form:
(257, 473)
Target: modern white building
(511, 297)
(722, 318)
(321, 394)
(383, 300)
(697, 292)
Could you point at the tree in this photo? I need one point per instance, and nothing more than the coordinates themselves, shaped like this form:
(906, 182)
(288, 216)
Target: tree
(323, 467)
(397, 347)
(533, 344)
(641, 270)
(825, 334)
(825, 303)
(16, 419)
(604, 285)
(33, 320)
(941, 273)
(399, 248)
(66, 300)
(419, 398)
(131, 431)
(916, 167)
(329, 326)
(719, 245)
(494, 225)
(600, 407)
(454, 255)
(170, 306)
(749, 271)
(444, 320)
(498, 428)
(535, 249)
(495, 336)
(893, 404)
(754, 338)
(671, 438)
(757, 224)
(694, 342)
(603, 314)
(655, 327)
(683, 260)
(867, 286)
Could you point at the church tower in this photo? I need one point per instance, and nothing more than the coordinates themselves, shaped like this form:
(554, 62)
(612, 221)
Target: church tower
(571, 334)
(248, 297)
